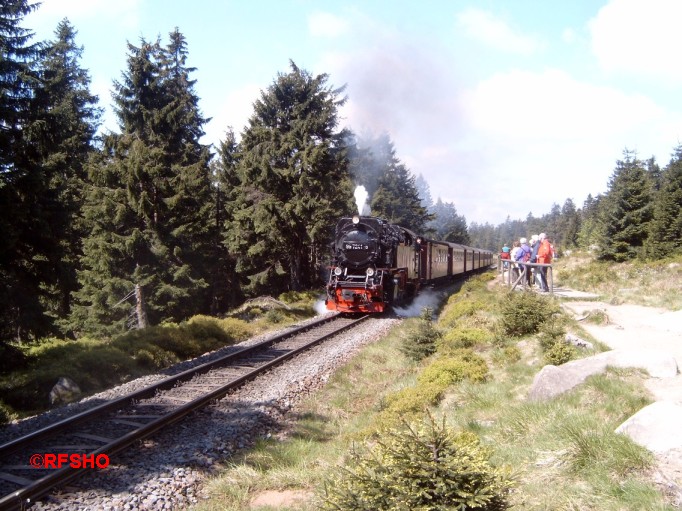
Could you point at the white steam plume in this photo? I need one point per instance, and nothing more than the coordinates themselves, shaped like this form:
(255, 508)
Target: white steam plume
(361, 200)
(427, 298)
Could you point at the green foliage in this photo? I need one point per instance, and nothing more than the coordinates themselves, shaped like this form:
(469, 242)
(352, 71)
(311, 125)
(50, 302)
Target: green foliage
(665, 233)
(292, 297)
(275, 316)
(150, 246)
(96, 365)
(458, 307)
(291, 178)
(463, 337)
(390, 184)
(411, 401)
(446, 371)
(626, 211)
(184, 341)
(420, 467)
(524, 312)
(432, 382)
(507, 354)
(93, 365)
(448, 225)
(419, 340)
(559, 353)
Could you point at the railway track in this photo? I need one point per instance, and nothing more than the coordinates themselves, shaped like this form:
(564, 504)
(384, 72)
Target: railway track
(98, 433)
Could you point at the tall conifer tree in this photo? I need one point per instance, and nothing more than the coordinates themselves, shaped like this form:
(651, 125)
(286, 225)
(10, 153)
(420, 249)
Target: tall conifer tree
(665, 234)
(447, 224)
(293, 183)
(397, 198)
(150, 205)
(26, 252)
(65, 118)
(626, 211)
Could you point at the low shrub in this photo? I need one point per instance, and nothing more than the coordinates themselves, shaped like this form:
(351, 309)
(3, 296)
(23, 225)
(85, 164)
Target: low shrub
(275, 316)
(411, 401)
(420, 336)
(458, 307)
(524, 312)
(426, 466)
(6, 414)
(462, 337)
(446, 371)
(559, 353)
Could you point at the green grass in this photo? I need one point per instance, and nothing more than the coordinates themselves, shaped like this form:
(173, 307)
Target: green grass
(654, 284)
(564, 454)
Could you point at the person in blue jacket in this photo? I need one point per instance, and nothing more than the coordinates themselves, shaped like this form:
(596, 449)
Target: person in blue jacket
(523, 256)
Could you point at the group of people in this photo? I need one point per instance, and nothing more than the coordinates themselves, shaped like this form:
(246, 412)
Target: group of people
(539, 250)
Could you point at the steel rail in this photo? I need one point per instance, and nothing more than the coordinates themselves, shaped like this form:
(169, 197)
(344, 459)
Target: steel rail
(166, 383)
(23, 496)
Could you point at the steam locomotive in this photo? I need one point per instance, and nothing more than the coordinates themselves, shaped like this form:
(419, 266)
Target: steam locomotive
(377, 264)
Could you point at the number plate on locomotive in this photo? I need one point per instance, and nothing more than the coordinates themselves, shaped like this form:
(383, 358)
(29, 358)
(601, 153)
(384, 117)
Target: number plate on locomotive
(355, 246)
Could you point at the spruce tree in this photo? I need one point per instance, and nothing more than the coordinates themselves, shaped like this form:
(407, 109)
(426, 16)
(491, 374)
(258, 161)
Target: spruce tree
(293, 183)
(226, 284)
(590, 225)
(396, 198)
(26, 252)
(665, 233)
(447, 224)
(65, 118)
(626, 211)
(569, 226)
(150, 204)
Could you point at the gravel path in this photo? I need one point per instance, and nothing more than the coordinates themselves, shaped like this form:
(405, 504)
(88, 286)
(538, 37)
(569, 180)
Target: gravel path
(168, 471)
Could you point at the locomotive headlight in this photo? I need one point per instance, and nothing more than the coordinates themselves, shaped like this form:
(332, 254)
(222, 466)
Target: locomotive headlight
(370, 272)
(356, 219)
(338, 271)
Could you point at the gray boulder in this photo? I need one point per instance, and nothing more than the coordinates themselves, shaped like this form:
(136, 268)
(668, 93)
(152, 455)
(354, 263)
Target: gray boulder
(65, 391)
(656, 427)
(554, 380)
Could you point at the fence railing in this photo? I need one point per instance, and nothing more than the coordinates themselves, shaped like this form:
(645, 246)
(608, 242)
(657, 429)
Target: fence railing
(525, 274)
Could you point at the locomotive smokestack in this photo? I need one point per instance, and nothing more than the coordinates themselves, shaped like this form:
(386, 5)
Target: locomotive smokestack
(361, 200)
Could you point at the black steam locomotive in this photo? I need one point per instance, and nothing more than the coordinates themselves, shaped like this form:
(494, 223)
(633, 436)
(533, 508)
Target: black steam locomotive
(377, 264)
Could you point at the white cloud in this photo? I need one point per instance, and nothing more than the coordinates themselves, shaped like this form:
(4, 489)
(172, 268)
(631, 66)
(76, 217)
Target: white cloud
(639, 37)
(234, 111)
(553, 105)
(323, 24)
(492, 31)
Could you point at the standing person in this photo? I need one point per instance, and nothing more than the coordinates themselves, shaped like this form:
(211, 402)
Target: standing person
(505, 256)
(544, 257)
(535, 246)
(516, 246)
(523, 256)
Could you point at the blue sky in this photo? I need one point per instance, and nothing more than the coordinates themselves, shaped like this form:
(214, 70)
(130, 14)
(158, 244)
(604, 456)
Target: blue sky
(504, 106)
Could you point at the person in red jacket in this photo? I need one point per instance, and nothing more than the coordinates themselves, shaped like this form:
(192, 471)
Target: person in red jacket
(544, 257)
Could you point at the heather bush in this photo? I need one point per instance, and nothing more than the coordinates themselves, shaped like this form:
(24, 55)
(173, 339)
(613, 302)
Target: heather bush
(462, 337)
(446, 371)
